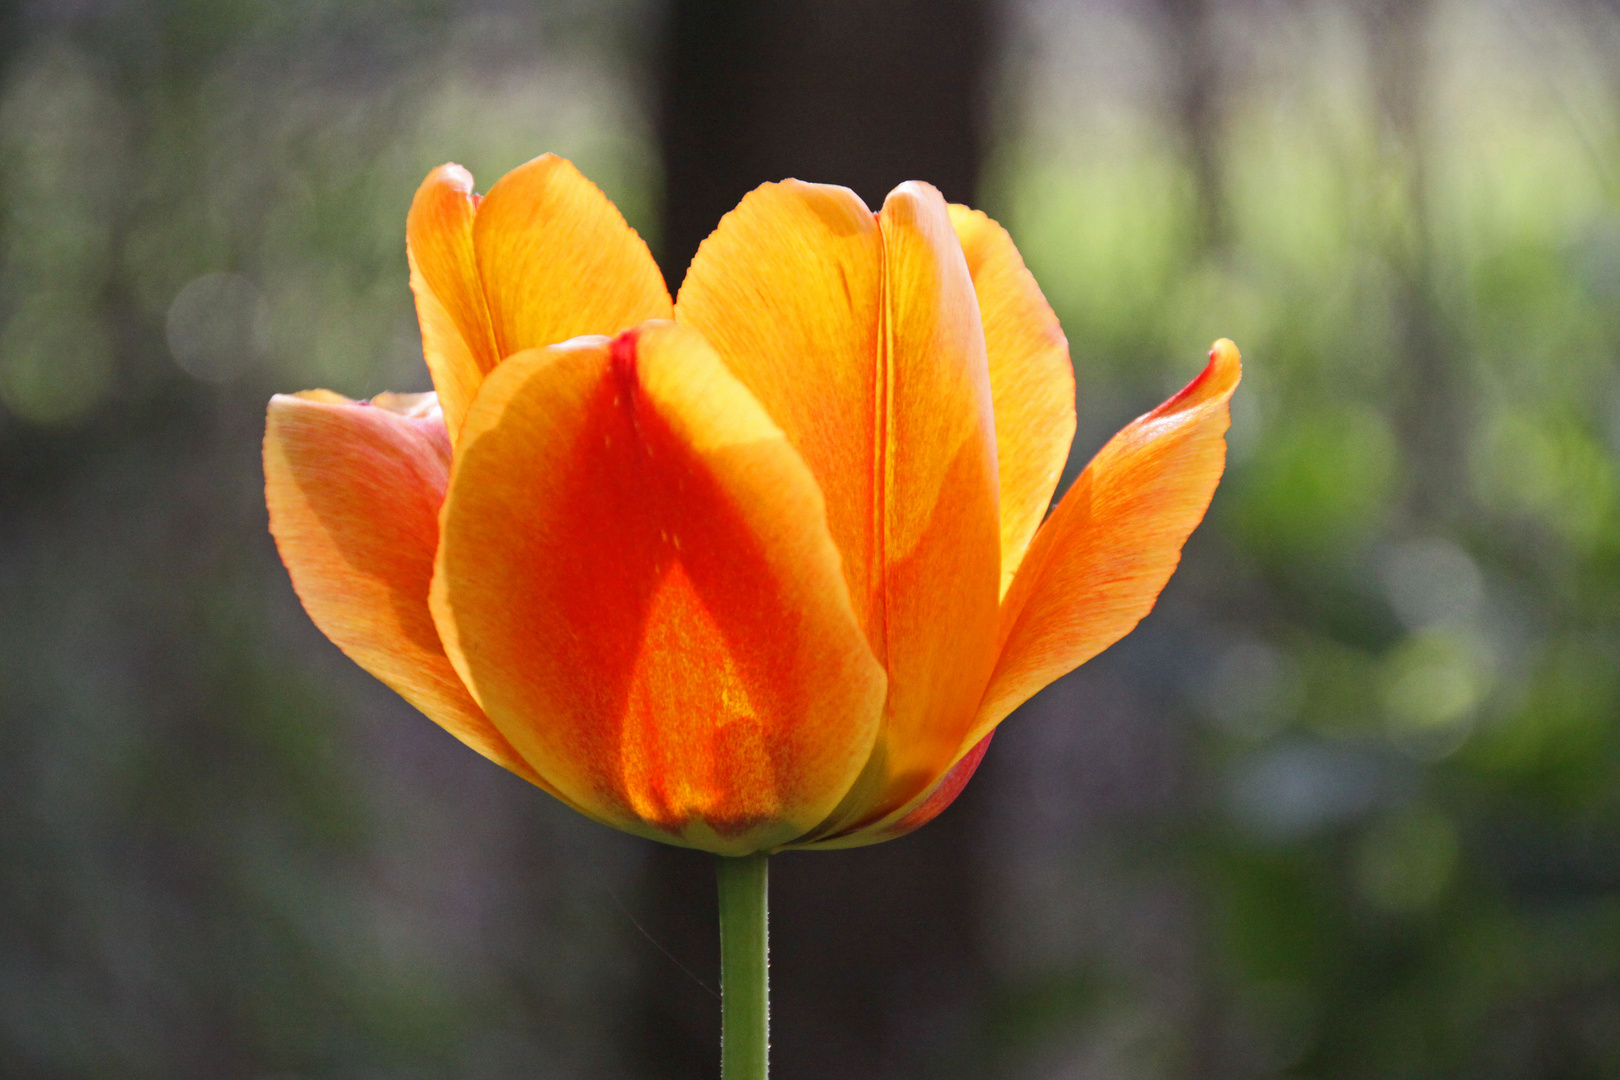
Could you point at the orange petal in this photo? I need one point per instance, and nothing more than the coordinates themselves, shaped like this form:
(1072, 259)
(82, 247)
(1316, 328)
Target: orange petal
(557, 260)
(637, 581)
(1031, 380)
(928, 807)
(1098, 564)
(863, 341)
(940, 528)
(456, 338)
(354, 493)
(788, 289)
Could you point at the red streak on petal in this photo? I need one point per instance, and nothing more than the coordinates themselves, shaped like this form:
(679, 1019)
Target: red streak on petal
(622, 358)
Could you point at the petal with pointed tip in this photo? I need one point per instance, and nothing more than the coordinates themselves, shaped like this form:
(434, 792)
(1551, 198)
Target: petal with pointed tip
(1100, 561)
(1094, 570)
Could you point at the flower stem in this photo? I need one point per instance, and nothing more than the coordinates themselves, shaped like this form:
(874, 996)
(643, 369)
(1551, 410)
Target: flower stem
(745, 1011)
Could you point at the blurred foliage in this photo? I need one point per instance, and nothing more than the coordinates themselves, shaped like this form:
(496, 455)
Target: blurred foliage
(1348, 803)
(1404, 857)
(226, 852)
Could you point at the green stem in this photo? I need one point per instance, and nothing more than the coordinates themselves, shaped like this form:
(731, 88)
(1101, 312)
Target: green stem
(745, 1008)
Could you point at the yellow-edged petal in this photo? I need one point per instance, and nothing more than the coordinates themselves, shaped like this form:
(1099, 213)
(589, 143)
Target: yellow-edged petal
(1031, 380)
(557, 260)
(354, 493)
(456, 336)
(1100, 561)
(637, 582)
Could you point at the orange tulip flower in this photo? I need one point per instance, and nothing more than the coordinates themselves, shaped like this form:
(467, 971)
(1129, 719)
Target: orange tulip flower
(760, 568)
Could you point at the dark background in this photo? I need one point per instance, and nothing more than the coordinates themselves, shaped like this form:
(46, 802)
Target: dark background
(1344, 806)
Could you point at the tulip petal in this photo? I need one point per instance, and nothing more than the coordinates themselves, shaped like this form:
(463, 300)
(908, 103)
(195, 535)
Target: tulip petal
(1031, 381)
(456, 337)
(637, 582)
(557, 260)
(1100, 561)
(789, 290)
(1094, 570)
(937, 491)
(927, 808)
(862, 339)
(354, 493)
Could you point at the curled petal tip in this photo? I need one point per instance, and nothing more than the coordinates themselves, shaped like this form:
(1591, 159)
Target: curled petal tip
(1225, 363)
(1218, 379)
(1105, 553)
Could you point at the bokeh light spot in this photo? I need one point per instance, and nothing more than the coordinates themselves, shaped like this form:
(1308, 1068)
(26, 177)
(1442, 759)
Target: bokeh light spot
(218, 327)
(1290, 791)
(1431, 582)
(1252, 690)
(1432, 684)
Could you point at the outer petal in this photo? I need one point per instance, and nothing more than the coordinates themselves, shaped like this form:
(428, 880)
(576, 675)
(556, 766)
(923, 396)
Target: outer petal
(789, 290)
(1098, 564)
(1031, 380)
(1094, 570)
(354, 493)
(637, 581)
(926, 808)
(456, 337)
(557, 260)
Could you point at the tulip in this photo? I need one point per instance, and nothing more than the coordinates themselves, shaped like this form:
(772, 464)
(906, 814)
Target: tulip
(762, 568)
(759, 568)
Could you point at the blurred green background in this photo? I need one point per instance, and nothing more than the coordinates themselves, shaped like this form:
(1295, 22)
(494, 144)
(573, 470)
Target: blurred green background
(1346, 805)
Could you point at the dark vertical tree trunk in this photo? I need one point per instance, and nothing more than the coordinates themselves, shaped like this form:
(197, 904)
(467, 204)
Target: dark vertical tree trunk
(838, 91)
(874, 961)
